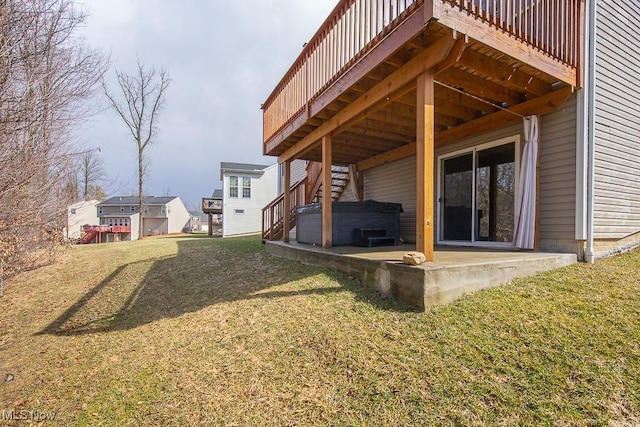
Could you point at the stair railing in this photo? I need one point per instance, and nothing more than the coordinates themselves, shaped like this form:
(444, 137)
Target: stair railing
(273, 213)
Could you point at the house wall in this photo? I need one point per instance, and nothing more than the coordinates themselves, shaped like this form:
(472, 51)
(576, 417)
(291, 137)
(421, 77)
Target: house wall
(557, 184)
(155, 226)
(86, 213)
(264, 188)
(118, 210)
(178, 215)
(135, 220)
(396, 182)
(298, 173)
(617, 128)
(154, 211)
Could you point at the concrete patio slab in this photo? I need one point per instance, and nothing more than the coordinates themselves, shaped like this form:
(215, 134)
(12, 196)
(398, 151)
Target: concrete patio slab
(454, 272)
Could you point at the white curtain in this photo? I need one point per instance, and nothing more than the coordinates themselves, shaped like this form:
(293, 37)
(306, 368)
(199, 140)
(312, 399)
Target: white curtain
(353, 181)
(525, 214)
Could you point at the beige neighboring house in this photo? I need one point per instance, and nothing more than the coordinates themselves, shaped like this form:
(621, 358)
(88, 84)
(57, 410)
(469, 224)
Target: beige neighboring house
(160, 215)
(79, 214)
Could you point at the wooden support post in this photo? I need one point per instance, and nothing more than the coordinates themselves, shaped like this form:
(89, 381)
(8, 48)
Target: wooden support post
(286, 205)
(210, 222)
(327, 226)
(424, 164)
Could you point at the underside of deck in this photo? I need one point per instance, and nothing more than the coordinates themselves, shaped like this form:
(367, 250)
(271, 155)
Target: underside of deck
(455, 271)
(385, 80)
(483, 79)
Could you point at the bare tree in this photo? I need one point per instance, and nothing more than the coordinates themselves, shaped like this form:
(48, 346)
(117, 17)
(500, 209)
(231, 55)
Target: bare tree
(47, 75)
(90, 173)
(143, 96)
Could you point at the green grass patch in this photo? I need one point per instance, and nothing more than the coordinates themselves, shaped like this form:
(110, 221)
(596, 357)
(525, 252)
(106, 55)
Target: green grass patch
(190, 330)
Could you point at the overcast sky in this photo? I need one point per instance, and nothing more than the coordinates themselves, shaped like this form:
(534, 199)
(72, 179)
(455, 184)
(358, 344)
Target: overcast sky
(223, 57)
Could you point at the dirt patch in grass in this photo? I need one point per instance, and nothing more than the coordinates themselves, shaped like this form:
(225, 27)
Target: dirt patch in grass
(190, 330)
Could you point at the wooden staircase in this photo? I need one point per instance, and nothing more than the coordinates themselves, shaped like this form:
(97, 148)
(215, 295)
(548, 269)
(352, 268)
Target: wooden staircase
(339, 181)
(308, 190)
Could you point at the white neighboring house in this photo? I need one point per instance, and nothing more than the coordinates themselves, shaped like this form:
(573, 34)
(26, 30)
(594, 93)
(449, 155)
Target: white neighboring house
(79, 214)
(246, 190)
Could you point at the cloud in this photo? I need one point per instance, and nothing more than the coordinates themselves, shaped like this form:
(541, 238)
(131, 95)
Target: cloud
(224, 58)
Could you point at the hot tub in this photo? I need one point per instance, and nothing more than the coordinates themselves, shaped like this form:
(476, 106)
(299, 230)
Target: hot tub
(350, 222)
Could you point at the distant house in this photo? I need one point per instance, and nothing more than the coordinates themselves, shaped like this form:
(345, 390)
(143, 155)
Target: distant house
(79, 214)
(212, 208)
(197, 222)
(247, 188)
(160, 215)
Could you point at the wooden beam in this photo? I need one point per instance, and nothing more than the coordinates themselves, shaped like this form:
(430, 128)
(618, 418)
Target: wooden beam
(500, 72)
(388, 157)
(425, 164)
(541, 105)
(481, 87)
(327, 226)
(286, 217)
(390, 85)
(453, 57)
(453, 17)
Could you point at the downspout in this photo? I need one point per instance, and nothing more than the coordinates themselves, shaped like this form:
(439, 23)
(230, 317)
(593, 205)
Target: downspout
(591, 94)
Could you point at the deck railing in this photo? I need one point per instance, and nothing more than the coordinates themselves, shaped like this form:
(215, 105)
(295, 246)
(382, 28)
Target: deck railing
(355, 27)
(552, 26)
(273, 213)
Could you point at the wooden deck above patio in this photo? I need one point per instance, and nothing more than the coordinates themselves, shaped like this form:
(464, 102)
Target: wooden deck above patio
(357, 78)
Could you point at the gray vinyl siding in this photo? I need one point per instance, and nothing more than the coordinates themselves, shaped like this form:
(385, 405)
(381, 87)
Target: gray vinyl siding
(298, 173)
(617, 175)
(298, 170)
(558, 173)
(395, 182)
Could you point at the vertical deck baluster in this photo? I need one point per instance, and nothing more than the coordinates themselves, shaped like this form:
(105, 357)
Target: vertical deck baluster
(353, 32)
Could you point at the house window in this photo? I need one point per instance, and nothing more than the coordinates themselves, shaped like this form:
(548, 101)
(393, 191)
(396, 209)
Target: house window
(145, 209)
(73, 211)
(100, 210)
(163, 209)
(133, 208)
(246, 187)
(121, 208)
(233, 186)
(239, 211)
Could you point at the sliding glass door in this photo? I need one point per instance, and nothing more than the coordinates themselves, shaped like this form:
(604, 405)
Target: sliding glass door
(477, 194)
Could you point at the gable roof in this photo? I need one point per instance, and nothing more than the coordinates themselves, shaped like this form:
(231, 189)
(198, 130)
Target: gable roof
(133, 200)
(241, 168)
(82, 204)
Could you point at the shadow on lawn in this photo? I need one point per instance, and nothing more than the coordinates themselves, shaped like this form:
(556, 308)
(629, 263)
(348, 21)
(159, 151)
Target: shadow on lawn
(204, 272)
